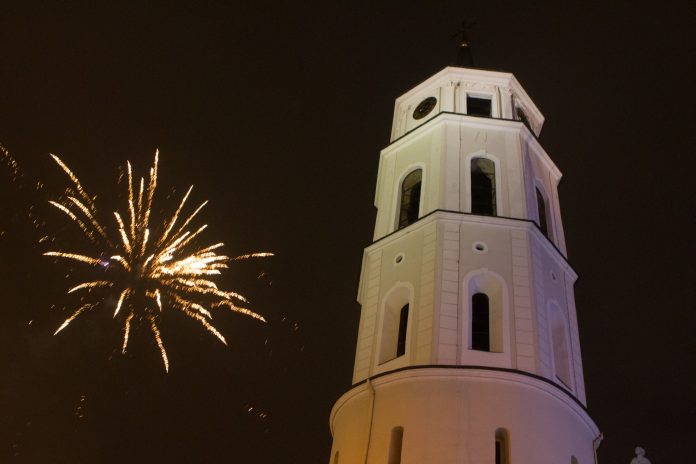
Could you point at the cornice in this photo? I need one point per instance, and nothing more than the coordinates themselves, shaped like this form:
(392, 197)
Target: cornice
(464, 373)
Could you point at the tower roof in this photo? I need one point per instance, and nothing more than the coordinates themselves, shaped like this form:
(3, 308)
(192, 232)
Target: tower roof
(465, 57)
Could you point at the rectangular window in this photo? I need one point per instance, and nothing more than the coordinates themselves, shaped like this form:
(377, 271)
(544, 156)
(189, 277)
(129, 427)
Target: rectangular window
(480, 323)
(478, 106)
(483, 196)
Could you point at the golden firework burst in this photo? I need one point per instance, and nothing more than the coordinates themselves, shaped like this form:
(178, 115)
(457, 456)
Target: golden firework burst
(155, 273)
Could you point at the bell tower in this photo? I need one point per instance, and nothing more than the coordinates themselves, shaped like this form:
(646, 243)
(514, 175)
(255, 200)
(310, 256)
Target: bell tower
(468, 349)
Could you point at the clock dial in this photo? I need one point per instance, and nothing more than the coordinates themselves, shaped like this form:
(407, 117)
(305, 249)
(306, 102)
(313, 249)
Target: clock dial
(424, 108)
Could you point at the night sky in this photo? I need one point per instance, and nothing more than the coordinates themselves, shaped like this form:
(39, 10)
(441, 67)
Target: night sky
(276, 112)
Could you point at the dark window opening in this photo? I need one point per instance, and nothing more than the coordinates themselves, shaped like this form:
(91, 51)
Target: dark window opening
(522, 116)
(403, 325)
(395, 445)
(541, 208)
(410, 198)
(483, 200)
(478, 106)
(502, 448)
(480, 325)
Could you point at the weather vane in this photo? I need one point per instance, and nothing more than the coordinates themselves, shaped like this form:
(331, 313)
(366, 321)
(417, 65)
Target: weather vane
(464, 56)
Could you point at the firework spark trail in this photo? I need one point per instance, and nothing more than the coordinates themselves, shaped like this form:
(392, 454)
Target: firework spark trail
(158, 338)
(79, 311)
(253, 255)
(75, 256)
(76, 182)
(11, 163)
(152, 273)
(126, 332)
(121, 299)
(27, 192)
(88, 233)
(95, 284)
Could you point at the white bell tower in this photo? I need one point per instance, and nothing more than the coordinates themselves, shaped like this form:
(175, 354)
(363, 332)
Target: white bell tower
(468, 348)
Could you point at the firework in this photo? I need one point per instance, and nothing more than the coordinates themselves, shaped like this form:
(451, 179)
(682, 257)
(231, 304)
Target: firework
(150, 274)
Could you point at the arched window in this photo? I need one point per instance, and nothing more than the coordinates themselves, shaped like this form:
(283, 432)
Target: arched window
(395, 444)
(410, 198)
(559, 340)
(335, 459)
(483, 196)
(486, 302)
(394, 324)
(573, 460)
(542, 209)
(480, 323)
(502, 447)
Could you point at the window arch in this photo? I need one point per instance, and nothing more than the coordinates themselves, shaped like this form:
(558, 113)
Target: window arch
(335, 459)
(394, 334)
(485, 300)
(502, 446)
(395, 444)
(410, 198)
(560, 344)
(543, 213)
(483, 188)
(573, 460)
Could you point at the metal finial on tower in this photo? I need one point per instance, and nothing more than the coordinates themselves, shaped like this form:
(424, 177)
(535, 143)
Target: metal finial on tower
(464, 55)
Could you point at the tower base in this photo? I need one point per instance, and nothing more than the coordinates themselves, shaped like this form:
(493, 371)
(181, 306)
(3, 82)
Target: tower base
(455, 415)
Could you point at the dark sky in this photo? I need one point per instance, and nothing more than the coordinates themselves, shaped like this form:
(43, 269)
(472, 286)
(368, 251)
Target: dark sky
(276, 111)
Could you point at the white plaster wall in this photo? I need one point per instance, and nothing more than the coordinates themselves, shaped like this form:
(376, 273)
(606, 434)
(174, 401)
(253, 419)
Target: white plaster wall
(496, 264)
(438, 257)
(447, 335)
(450, 416)
(425, 152)
(541, 172)
(416, 246)
(553, 283)
(443, 148)
(369, 297)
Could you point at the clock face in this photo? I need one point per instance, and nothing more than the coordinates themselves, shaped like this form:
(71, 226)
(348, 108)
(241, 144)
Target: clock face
(424, 108)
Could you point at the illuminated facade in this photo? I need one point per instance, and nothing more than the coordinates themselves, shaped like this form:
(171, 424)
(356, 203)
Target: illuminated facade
(468, 348)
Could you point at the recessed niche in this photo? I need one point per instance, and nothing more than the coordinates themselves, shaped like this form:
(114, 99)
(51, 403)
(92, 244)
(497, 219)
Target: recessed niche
(554, 277)
(398, 259)
(479, 247)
